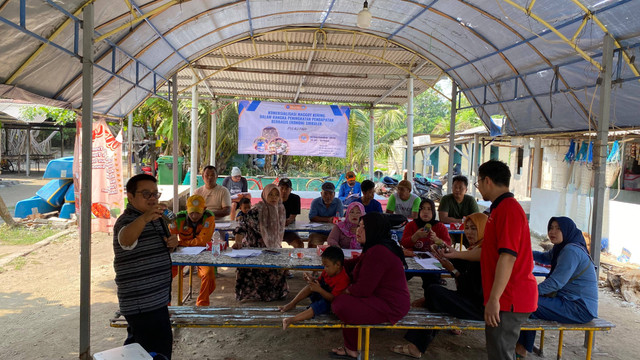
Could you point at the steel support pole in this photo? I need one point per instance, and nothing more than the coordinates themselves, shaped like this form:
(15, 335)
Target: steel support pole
(85, 187)
(28, 157)
(537, 163)
(600, 151)
(371, 144)
(194, 137)
(476, 159)
(130, 142)
(214, 134)
(452, 134)
(61, 142)
(176, 143)
(410, 131)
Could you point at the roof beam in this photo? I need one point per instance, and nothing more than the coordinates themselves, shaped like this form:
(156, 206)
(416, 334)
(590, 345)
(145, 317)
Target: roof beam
(315, 74)
(249, 82)
(426, 7)
(303, 61)
(329, 46)
(242, 90)
(400, 83)
(308, 65)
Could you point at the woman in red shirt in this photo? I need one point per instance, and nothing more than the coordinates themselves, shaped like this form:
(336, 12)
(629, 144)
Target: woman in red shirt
(378, 292)
(424, 231)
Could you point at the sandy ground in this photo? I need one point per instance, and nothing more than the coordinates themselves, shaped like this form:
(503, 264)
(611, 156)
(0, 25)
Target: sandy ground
(39, 318)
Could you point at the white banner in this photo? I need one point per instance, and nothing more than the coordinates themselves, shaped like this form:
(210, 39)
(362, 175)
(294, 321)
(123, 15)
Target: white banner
(292, 129)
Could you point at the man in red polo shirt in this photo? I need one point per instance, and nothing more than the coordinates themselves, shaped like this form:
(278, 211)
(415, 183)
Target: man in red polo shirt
(509, 287)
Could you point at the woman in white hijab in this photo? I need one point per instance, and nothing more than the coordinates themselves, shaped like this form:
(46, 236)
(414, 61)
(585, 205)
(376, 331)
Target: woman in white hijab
(262, 227)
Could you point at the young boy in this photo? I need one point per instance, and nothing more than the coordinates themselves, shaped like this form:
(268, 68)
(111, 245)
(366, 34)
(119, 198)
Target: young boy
(331, 283)
(244, 205)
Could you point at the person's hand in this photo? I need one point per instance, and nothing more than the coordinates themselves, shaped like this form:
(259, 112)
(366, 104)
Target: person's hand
(492, 312)
(172, 241)
(154, 213)
(420, 234)
(237, 245)
(408, 253)
(315, 286)
(307, 277)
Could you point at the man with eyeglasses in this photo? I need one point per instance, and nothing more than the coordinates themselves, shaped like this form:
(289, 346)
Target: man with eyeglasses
(217, 198)
(141, 243)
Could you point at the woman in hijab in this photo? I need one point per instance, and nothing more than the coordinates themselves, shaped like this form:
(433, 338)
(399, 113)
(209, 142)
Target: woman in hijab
(378, 292)
(262, 227)
(343, 234)
(466, 302)
(569, 294)
(424, 231)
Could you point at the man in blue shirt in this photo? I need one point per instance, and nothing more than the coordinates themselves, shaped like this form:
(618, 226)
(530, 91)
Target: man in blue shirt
(368, 192)
(351, 187)
(324, 209)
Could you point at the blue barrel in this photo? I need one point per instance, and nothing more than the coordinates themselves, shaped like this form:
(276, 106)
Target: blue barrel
(54, 191)
(25, 207)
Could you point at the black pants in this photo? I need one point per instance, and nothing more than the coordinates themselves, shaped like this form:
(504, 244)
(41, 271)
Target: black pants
(427, 280)
(152, 330)
(442, 300)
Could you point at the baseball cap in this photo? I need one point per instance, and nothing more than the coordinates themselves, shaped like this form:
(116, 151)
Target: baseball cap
(195, 203)
(351, 175)
(328, 187)
(235, 171)
(285, 182)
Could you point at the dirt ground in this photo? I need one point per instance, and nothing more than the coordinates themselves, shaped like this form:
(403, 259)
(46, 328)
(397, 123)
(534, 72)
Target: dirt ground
(39, 318)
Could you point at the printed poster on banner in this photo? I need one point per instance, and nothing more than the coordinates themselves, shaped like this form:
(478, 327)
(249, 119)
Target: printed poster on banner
(107, 190)
(270, 128)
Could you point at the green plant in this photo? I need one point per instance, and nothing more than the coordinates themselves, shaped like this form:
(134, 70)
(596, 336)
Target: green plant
(23, 235)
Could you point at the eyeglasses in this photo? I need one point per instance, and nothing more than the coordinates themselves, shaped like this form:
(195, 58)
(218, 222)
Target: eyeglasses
(148, 194)
(476, 183)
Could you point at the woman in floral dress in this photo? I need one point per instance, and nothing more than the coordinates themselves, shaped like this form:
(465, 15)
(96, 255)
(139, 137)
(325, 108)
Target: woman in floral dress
(262, 227)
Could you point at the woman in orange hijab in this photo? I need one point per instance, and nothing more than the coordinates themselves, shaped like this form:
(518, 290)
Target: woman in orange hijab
(466, 302)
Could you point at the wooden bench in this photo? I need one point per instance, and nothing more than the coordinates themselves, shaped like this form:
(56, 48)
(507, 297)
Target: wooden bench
(270, 317)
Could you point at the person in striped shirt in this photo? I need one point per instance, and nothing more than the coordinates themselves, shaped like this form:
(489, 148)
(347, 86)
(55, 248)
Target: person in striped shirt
(141, 244)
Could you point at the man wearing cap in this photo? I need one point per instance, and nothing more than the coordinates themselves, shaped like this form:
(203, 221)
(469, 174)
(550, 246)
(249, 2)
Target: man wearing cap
(324, 209)
(217, 198)
(195, 227)
(291, 204)
(351, 187)
(404, 202)
(238, 188)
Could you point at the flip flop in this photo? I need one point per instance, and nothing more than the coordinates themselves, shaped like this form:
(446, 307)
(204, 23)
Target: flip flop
(404, 350)
(335, 355)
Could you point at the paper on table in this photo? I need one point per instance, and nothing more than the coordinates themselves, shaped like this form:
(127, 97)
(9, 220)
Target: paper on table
(537, 269)
(242, 253)
(223, 225)
(348, 253)
(312, 225)
(429, 264)
(190, 250)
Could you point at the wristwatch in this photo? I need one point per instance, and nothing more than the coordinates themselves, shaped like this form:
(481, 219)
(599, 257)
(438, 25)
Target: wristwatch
(455, 272)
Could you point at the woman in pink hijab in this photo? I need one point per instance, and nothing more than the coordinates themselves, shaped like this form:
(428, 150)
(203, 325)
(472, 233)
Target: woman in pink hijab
(262, 227)
(343, 234)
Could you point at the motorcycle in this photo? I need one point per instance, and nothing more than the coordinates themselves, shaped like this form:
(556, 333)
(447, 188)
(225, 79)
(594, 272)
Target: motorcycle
(427, 188)
(386, 187)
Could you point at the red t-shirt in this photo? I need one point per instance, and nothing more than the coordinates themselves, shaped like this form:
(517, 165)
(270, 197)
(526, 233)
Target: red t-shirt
(507, 231)
(337, 283)
(423, 244)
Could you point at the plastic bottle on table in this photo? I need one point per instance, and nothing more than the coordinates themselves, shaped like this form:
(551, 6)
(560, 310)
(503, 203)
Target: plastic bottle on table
(216, 243)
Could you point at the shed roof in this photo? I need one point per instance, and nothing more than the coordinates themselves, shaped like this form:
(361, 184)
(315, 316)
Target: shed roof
(535, 62)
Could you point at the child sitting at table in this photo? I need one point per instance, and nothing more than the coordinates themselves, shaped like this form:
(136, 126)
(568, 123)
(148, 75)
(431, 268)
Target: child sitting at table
(331, 283)
(244, 205)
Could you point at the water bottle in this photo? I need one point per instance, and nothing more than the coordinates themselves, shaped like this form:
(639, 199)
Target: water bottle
(216, 244)
(168, 215)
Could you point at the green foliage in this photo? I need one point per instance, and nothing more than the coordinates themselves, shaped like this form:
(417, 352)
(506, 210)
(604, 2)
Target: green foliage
(58, 115)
